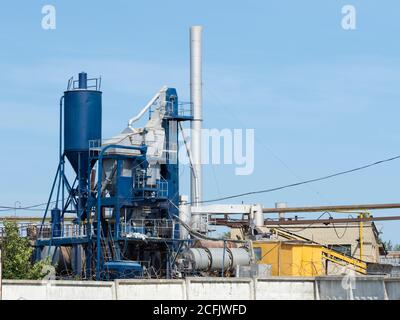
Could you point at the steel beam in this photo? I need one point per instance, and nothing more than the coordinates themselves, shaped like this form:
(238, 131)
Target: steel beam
(334, 208)
(238, 223)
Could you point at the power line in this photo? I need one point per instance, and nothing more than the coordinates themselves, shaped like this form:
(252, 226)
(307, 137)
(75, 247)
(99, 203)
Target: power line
(261, 142)
(302, 182)
(28, 208)
(35, 206)
(7, 208)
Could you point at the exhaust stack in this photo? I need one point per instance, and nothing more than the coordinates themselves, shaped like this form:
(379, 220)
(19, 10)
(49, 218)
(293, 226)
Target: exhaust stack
(196, 101)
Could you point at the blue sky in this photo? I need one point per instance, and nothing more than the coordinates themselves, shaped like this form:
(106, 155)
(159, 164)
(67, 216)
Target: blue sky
(321, 99)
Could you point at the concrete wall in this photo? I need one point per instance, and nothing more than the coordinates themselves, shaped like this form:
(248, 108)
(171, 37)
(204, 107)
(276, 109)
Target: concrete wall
(347, 288)
(288, 288)
(150, 289)
(273, 288)
(392, 286)
(57, 290)
(220, 288)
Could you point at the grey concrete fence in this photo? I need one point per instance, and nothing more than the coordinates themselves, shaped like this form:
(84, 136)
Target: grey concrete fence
(273, 288)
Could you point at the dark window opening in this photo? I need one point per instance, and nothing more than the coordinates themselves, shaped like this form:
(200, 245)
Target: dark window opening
(342, 248)
(257, 253)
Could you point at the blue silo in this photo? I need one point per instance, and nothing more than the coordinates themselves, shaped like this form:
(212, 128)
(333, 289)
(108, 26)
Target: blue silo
(82, 123)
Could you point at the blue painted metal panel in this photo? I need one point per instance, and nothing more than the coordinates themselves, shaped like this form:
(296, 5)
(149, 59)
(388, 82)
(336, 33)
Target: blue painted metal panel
(63, 241)
(122, 269)
(56, 222)
(82, 123)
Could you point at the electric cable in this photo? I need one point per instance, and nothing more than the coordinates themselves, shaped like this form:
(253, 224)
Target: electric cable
(7, 208)
(261, 142)
(302, 228)
(301, 182)
(315, 222)
(334, 228)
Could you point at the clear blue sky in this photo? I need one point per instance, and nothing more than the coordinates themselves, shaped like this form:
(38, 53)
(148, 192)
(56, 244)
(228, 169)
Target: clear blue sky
(320, 99)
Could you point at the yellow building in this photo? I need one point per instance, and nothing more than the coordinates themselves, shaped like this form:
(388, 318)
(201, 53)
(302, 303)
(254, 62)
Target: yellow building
(290, 258)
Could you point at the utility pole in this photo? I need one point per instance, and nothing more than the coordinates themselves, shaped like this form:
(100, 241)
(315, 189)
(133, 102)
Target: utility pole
(15, 207)
(361, 236)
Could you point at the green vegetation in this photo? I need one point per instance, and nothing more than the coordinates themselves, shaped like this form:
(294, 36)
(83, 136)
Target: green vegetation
(390, 246)
(17, 256)
(226, 235)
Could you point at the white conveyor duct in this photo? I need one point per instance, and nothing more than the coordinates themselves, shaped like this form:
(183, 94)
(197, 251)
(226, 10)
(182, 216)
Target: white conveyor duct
(147, 107)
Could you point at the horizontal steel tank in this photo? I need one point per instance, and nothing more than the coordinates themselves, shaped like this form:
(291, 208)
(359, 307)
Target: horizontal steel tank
(214, 259)
(219, 258)
(82, 122)
(199, 258)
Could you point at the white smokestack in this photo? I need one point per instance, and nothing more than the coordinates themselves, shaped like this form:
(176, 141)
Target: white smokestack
(196, 124)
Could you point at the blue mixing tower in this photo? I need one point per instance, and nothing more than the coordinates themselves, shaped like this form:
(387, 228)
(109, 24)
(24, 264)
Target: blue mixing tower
(124, 203)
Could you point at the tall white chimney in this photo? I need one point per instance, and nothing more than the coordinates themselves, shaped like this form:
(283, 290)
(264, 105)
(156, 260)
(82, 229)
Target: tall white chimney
(196, 100)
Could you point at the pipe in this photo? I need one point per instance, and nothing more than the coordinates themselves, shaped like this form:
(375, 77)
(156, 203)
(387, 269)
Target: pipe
(239, 223)
(280, 205)
(147, 107)
(334, 208)
(188, 152)
(185, 216)
(361, 244)
(82, 82)
(196, 102)
(60, 151)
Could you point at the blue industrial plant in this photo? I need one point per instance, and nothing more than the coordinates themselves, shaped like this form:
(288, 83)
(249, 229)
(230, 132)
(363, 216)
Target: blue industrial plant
(129, 219)
(124, 193)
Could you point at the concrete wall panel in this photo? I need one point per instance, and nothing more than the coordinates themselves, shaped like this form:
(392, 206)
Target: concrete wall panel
(288, 288)
(351, 288)
(144, 289)
(220, 288)
(393, 288)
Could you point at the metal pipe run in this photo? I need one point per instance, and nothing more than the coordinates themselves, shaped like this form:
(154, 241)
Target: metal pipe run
(196, 101)
(329, 221)
(239, 223)
(334, 208)
(146, 107)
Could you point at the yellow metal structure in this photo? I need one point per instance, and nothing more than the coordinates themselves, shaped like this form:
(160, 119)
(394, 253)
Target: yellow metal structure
(343, 260)
(299, 256)
(290, 258)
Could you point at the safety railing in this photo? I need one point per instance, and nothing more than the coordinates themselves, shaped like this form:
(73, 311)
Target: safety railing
(32, 231)
(184, 109)
(142, 228)
(390, 260)
(92, 83)
(25, 230)
(143, 190)
(64, 231)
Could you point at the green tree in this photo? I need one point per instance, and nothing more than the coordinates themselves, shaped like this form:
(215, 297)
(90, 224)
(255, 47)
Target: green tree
(388, 245)
(226, 235)
(17, 256)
